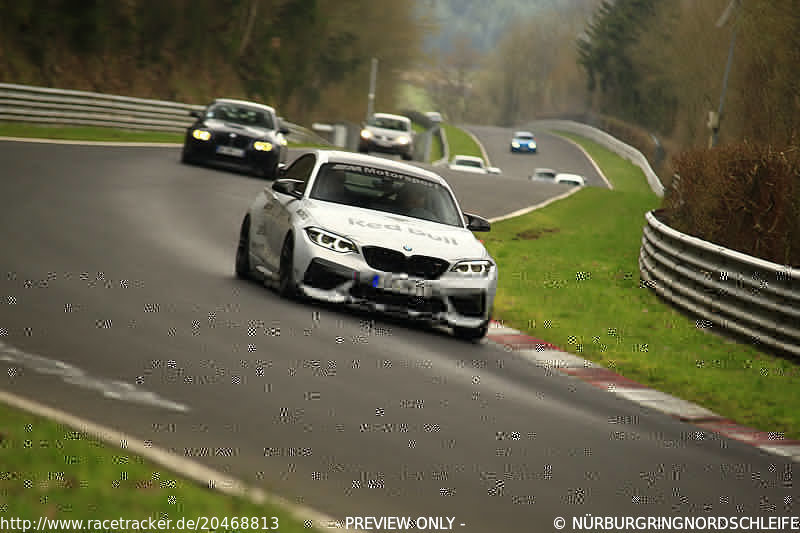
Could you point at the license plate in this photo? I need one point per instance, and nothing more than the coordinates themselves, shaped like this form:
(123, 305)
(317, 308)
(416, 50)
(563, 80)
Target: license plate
(230, 150)
(410, 287)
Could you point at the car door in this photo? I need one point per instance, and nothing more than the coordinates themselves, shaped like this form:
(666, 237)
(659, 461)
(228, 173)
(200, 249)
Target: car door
(278, 208)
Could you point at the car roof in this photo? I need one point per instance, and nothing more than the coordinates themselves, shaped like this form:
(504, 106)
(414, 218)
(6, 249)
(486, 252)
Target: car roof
(389, 115)
(353, 158)
(242, 102)
(468, 158)
(567, 175)
(523, 134)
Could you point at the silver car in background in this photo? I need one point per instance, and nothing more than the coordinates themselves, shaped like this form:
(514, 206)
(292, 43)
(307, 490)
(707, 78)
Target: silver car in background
(354, 229)
(389, 134)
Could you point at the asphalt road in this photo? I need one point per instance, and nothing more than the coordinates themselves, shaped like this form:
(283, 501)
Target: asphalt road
(552, 152)
(119, 305)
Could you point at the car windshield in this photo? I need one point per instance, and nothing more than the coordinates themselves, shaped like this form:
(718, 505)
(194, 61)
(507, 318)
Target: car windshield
(524, 136)
(388, 123)
(385, 190)
(240, 114)
(468, 163)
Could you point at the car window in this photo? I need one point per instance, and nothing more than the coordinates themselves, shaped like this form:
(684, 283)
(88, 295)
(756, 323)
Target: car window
(385, 190)
(301, 169)
(524, 136)
(469, 163)
(240, 114)
(389, 123)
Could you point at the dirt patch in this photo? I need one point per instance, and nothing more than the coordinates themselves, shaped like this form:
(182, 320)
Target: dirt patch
(534, 233)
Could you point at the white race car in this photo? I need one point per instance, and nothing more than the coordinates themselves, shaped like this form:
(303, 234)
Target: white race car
(469, 163)
(355, 229)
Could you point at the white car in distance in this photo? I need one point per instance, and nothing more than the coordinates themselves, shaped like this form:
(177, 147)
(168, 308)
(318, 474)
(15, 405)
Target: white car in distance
(552, 176)
(469, 163)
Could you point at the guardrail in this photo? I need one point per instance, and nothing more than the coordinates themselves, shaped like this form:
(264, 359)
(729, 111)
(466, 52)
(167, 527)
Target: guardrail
(744, 294)
(45, 105)
(620, 148)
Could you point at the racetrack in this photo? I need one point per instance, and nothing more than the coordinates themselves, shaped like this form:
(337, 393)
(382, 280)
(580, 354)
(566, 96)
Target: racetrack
(117, 262)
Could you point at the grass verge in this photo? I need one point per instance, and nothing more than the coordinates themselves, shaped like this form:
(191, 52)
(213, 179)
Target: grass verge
(85, 133)
(459, 142)
(569, 275)
(57, 472)
(98, 134)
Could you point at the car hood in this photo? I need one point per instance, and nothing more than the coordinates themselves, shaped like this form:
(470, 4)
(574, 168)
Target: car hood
(239, 129)
(373, 228)
(390, 134)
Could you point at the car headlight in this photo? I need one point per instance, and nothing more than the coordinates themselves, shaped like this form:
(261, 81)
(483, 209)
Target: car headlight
(283, 141)
(532, 144)
(402, 139)
(201, 135)
(329, 240)
(262, 146)
(480, 267)
(366, 134)
(515, 144)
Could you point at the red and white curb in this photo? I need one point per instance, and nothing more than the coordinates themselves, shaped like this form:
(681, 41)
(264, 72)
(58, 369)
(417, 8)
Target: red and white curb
(544, 354)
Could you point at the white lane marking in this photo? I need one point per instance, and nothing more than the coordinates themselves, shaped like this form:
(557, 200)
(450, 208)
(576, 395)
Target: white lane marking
(527, 210)
(480, 145)
(91, 143)
(114, 389)
(189, 469)
(586, 154)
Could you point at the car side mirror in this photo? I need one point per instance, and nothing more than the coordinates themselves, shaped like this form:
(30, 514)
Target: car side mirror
(288, 186)
(283, 130)
(476, 223)
(282, 169)
(195, 113)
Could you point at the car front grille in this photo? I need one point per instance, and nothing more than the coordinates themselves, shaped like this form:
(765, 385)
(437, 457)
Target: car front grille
(239, 141)
(469, 305)
(322, 277)
(419, 266)
(397, 300)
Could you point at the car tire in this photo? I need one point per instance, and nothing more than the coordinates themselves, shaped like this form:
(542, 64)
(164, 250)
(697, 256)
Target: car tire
(471, 334)
(287, 286)
(243, 270)
(407, 157)
(186, 158)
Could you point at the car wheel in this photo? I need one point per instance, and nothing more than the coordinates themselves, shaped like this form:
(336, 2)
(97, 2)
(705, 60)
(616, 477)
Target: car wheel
(407, 157)
(186, 158)
(471, 334)
(243, 251)
(287, 286)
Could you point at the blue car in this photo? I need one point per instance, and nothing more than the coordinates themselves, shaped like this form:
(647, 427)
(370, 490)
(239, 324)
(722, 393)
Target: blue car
(523, 141)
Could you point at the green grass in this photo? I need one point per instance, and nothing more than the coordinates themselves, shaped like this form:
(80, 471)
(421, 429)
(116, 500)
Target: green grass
(569, 276)
(85, 133)
(459, 142)
(624, 175)
(62, 473)
(98, 133)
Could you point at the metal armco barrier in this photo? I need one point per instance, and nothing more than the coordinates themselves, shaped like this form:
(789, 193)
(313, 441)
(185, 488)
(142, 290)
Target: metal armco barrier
(45, 105)
(723, 287)
(620, 148)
